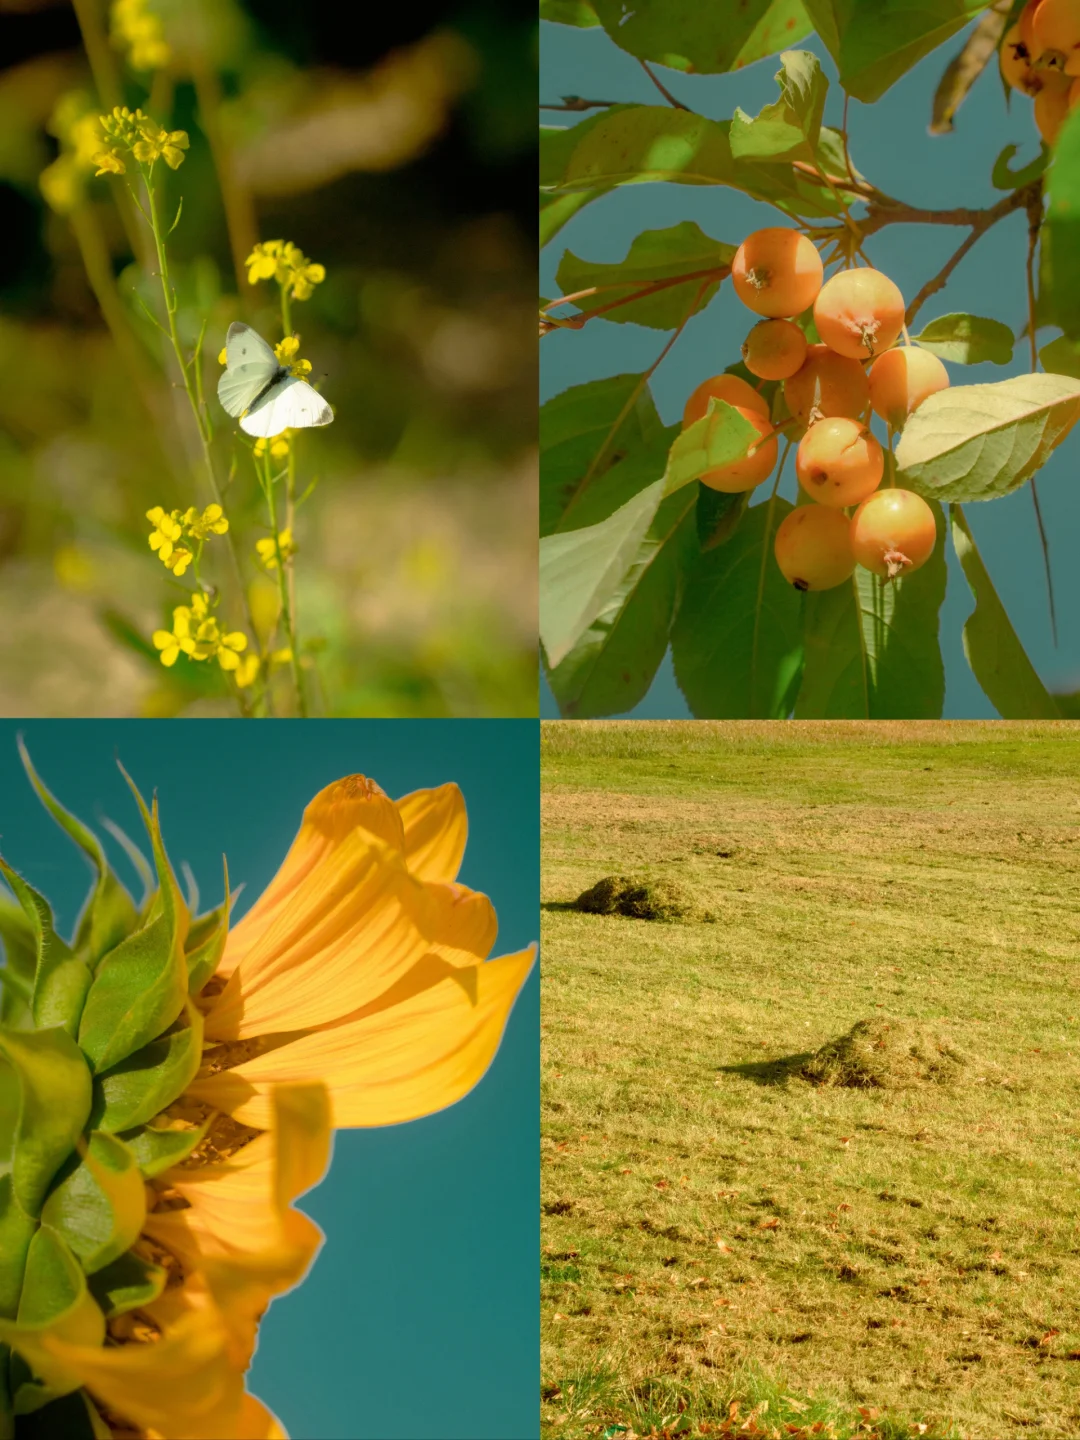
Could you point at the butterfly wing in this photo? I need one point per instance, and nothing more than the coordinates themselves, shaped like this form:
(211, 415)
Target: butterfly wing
(244, 346)
(290, 404)
(238, 387)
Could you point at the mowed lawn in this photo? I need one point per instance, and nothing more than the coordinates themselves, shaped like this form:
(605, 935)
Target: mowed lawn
(718, 1229)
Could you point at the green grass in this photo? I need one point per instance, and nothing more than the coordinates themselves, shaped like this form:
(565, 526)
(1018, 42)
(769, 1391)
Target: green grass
(716, 1227)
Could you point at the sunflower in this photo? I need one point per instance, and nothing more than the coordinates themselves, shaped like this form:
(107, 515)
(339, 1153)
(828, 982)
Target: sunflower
(179, 1081)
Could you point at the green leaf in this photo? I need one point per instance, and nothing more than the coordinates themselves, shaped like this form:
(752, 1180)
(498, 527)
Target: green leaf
(61, 980)
(16, 1231)
(737, 643)
(126, 1284)
(54, 1101)
(653, 255)
(110, 912)
(707, 39)
(790, 128)
(98, 1203)
(172, 903)
(872, 649)
(1060, 236)
(580, 570)
(55, 1299)
(967, 339)
(1061, 357)
(557, 210)
(141, 1086)
(138, 992)
(158, 1150)
(997, 659)
(204, 956)
(632, 144)
(20, 945)
(574, 426)
(718, 438)
(1002, 178)
(613, 664)
(569, 12)
(718, 515)
(976, 442)
(875, 42)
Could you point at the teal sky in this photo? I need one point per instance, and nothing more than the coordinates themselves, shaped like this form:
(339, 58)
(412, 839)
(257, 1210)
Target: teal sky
(891, 146)
(420, 1319)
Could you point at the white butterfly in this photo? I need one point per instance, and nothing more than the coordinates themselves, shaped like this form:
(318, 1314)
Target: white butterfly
(260, 390)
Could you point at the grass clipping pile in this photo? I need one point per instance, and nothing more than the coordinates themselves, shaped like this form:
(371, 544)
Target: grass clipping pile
(888, 1055)
(643, 899)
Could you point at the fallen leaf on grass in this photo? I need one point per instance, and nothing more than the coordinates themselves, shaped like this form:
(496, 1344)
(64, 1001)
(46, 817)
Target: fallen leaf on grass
(772, 1224)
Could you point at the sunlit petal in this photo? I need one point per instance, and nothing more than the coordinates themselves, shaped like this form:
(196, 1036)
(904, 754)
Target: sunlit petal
(436, 828)
(351, 804)
(359, 924)
(420, 1047)
(184, 1386)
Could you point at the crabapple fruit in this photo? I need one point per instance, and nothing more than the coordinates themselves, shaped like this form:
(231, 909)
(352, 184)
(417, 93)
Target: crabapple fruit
(893, 533)
(859, 313)
(826, 384)
(731, 388)
(1052, 105)
(774, 349)
(750, 469)
(777, 272)
(813, 548)
(1016, 67)
(901, 379)
(839, 462)
(1055, 26)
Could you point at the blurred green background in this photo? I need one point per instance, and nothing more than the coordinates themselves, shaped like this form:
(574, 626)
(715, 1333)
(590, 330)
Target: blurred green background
(398, 153)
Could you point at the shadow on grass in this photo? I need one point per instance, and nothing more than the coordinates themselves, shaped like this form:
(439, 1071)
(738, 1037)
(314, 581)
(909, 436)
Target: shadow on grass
(770, 1072)
(560, 905)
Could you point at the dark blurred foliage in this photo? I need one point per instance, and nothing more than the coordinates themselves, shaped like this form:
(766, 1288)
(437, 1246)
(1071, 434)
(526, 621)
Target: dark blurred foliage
(416, 571)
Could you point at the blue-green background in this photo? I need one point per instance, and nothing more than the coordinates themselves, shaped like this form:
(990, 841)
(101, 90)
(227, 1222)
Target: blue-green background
(891, 146)
(420, 1318)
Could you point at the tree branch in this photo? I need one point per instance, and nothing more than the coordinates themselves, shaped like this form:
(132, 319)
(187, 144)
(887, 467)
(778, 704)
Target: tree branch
(641, 288)
(575, 102)
(663, 88)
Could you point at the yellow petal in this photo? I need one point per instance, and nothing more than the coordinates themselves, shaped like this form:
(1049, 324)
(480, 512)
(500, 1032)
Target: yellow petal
(416, 1050)
(185, 1386)
(353, 803)
(240, 1234)
(436, 829)
(358, 924)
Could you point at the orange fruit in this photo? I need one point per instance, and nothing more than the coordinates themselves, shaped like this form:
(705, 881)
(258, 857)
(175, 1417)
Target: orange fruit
(859, 313)
(774, 349)
(839, 462)
(731, 388)
(813, 548)
(777, 272)
(901, 379)
(826, 384)
(893, 533)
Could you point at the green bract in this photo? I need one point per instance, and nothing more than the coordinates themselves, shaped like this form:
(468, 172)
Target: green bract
(99, 1035)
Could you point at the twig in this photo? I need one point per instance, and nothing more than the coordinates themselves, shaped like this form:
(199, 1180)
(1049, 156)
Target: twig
(642, 289)
(979, 220)
(663, 88)
(575, 102)
(1034, 212)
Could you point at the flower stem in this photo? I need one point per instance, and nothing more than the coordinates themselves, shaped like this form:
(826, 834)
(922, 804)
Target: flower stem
(283, 588)
(191, 386)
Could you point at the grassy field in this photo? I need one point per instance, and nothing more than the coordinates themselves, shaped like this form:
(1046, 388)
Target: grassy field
(719, 1231)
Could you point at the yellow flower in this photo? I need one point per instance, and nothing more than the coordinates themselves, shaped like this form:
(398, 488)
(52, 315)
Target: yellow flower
(355, 992)
(265, 262)
(212, 521)
(122, 125)
(372, 958)
(268, 552)
(304, 275)
(108, 162)
(278, 445)
(61, 185)
(228, 649)
(247, 672)
(223, 356)
(135, 26)
(157, 143)
(285, 350)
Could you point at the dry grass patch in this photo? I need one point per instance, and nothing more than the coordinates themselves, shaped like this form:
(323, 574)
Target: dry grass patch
(642, 898)
(718, 1228)
(891, 1055)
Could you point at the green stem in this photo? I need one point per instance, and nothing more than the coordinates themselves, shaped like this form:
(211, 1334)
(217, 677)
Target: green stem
(283, 588)
(191, 385)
